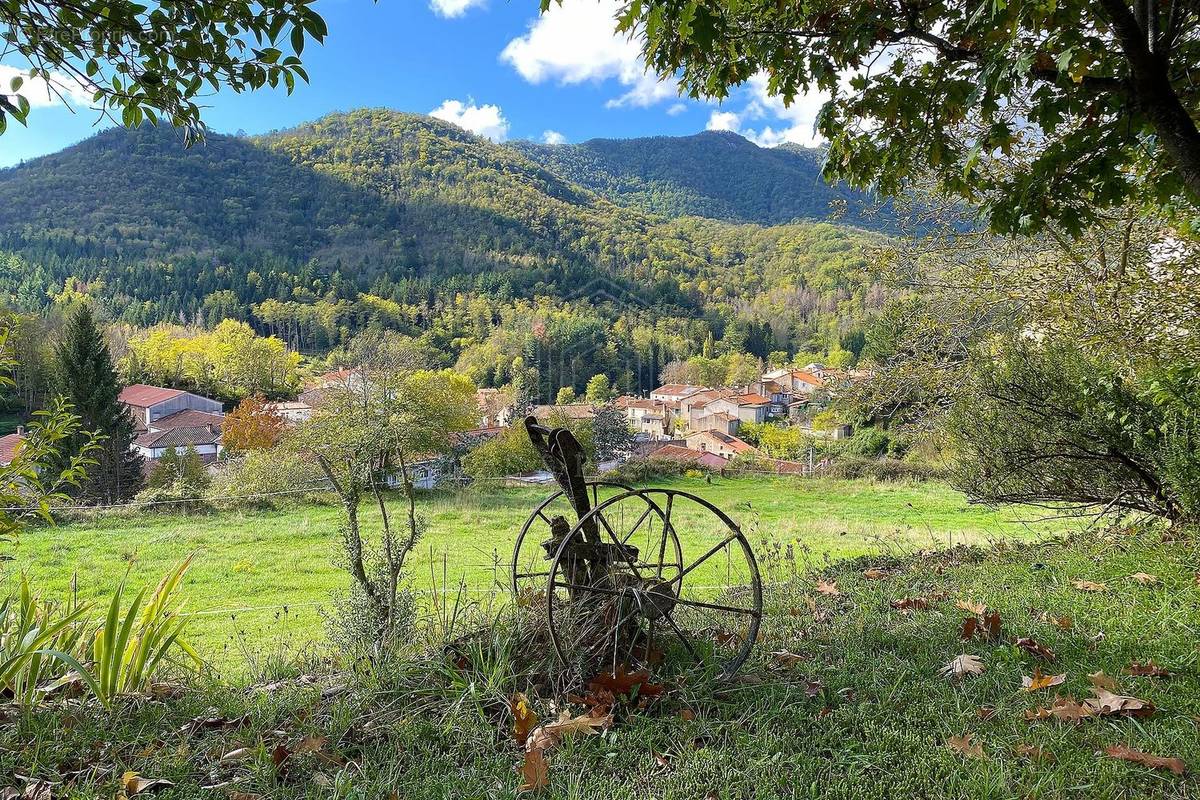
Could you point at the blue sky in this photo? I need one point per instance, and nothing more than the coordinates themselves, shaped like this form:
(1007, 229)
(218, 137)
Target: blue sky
(493, 66)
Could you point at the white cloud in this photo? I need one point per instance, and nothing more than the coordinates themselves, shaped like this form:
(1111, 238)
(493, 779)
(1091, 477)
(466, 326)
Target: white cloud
(723, 121)
(41, 93)
(453, 8)
(575, 43)
(553, 137)
(795, 123)
(677, 109)
(486, 120)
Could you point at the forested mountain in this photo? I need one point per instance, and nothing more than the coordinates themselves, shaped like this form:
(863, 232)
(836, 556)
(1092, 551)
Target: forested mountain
(716, 174)
(377, 218)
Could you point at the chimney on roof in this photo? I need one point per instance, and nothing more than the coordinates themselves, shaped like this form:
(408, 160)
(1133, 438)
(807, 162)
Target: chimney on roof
(20, 430)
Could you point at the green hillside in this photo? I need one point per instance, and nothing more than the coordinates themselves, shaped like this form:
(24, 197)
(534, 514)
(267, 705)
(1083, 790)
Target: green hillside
(715, 174)
(401, 206)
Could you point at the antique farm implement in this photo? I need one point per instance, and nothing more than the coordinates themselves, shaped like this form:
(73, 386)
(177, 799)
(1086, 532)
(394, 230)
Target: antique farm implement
(634, 576)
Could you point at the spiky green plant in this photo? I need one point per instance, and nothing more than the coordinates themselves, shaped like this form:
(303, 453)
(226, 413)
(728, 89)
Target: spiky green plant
(130, 646)
(31, 631)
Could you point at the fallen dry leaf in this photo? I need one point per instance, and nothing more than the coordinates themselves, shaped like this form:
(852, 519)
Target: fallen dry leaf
(786, 658)
(1062, 623)
(624, 683)
(1105, 704)
(240, 754)
(911, 604)
(991, 626)
(964, 745)
(535, 771)
(1090, 586)
(985, 713)
(1145, 579)
(1125, 753)
(962, 665)
(661, 760)
(828, 588)
(1064, 709)
(875, 574)
(524, 720)
(978, 609)
(1040, 681)
(132, 783)
(1034, 753)
(1147, 670)
(549, 735)
(1102, 681)
(969, 626)
(686, 714)
(279, 754)
(311, 744)
(1031, 645)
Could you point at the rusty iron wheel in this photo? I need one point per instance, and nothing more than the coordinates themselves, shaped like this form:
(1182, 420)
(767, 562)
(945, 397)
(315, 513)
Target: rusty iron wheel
(693, 583)
(529, 561)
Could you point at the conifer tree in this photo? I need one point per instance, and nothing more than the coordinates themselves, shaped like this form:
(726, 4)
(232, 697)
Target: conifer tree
(86, 378)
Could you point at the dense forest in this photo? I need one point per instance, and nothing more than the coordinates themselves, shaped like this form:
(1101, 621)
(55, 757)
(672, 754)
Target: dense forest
(381, 219)
(716, 174)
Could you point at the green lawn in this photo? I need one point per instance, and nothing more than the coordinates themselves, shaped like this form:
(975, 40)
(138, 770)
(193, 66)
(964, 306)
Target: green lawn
(263, 576)
(859, 712)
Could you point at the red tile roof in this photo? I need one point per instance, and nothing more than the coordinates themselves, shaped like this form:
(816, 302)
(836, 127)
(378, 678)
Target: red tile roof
(673, 452)
(141, 395)
(752, 400)
(8, 447)
(808, 377)
(732, 442)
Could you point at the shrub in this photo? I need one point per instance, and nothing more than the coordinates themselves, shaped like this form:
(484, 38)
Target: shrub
(883, 469)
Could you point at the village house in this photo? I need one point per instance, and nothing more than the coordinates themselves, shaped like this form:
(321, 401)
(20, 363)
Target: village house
(718, 443)
(9, 444)
(495, 407)
(687, 457)
(674, 392)
(291, 410)
(648, 417)
(148, 404)
(172, 419)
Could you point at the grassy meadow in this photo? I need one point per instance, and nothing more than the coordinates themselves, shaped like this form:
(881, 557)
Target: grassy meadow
(260, 577)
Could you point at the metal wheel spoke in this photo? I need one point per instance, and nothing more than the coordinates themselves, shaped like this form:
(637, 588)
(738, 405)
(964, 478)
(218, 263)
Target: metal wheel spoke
(662, 548)
(710, 606)
(683, 638)
(716, 549)
(637, 524)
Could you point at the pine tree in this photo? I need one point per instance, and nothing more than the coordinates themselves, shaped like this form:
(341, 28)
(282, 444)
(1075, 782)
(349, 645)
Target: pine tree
(85, 376)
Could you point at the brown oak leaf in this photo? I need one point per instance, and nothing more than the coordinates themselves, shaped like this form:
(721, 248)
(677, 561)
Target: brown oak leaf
(1126, 753)
(1090, 586)
(1031, 645)
(1102, 681)
(1040, 681)
(1145, 579)
(911, 604)
(1034, 753)
(1106, 704)
(1147, 670)
(961, 666)
(524, 720)
(1064, 709)
(964, 744)
(828, 588)
(875, 574)
(535, 771)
